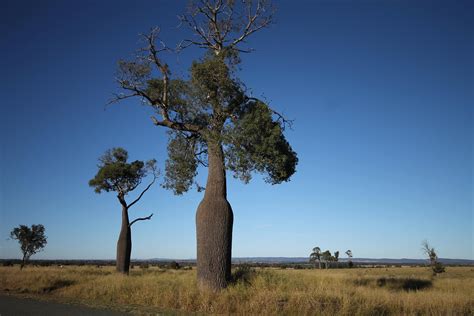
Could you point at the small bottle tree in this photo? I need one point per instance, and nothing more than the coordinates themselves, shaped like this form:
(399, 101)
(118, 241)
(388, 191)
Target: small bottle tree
(116, 175)
(31, 240)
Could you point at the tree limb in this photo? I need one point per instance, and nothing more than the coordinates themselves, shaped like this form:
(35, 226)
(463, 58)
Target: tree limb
(140, 219)
(213, 32)
(143, 192)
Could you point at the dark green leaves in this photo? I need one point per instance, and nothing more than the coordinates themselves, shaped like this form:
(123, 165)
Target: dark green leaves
(181, 164)
(31, 240)
(214, 86)
(256, 143)
(133, 73)
(115, 174)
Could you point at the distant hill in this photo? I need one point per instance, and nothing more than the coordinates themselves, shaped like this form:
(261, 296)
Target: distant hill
(279, 260)
(255, 260)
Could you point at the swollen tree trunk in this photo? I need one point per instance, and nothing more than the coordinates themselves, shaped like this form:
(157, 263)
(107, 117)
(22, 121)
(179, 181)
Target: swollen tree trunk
(124, 244)
(214, 220)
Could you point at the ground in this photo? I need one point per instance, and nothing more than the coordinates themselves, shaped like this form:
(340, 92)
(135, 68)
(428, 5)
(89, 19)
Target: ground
(358, 291)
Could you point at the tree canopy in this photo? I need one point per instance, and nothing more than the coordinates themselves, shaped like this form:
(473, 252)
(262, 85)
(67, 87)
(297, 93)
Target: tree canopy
(115, 174)
(211, 105)
(31, 240)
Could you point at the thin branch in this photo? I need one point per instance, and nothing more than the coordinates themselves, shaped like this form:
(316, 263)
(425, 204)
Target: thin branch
(140, 219)
(121, 96)
(256, 21)
(217, 23)
(136, 92)
(143, 192)
(284, 121)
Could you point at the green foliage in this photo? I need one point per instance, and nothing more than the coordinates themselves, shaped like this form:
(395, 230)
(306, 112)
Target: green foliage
(174, 265)
(326, 256)
(213, 85)
(253, 141)
(181, 165)
(256, 143)
(115, 174)
(438, 267)
(315, 255)
(134, 73)
(215, 103)
(31, 240)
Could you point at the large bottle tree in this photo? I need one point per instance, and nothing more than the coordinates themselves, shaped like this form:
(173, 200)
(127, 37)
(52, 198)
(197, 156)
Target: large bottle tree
(212, 120)
(117, 175)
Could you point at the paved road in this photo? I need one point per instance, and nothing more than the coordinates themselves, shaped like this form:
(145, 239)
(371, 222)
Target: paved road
(12, 306)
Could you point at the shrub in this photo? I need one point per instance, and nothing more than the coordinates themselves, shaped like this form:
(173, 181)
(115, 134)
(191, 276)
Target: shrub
(174, 265)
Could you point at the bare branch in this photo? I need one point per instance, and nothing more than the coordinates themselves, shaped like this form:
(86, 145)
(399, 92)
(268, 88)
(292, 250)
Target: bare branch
(134, 76)
(117, 97)
(284, 121)
(140, 219)
(143, 192)
(214, 23)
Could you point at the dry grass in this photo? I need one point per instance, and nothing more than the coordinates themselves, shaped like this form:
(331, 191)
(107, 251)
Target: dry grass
(392, 291)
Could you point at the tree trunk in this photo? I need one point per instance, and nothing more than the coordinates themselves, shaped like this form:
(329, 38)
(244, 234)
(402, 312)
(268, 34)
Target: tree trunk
(23, 262)
(214, 220)
(124, 244)
(319, 261)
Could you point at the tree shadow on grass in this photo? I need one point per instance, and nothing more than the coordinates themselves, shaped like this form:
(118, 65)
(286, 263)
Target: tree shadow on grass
(58, 284)
(410, 284)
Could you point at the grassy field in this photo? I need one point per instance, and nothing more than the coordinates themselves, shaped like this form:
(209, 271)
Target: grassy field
(375, 291)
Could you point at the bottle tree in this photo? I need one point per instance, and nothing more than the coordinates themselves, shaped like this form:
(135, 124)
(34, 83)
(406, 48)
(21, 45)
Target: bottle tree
(212, 120)
(117, 175)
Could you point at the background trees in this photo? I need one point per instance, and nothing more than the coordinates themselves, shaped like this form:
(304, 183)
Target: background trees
(115, 174)
(349, 255)
(327, 258)
(31, 240)
(436, 266)
(316, 256)
(213, 119)
(336, 257)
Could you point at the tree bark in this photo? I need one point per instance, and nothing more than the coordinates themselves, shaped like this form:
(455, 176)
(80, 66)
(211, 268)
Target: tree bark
(214, 220)
(124, 244)
(23, 262)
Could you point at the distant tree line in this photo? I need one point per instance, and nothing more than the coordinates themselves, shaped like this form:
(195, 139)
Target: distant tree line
(327, 257)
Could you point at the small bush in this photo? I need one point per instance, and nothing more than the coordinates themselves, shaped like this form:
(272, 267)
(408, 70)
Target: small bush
(174, 265)
(438, 267)
(244, 273)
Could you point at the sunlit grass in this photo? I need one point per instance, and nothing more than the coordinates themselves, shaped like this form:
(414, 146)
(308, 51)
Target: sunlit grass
(377, 291)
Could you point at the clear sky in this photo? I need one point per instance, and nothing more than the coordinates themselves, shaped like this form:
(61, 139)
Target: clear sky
(382, 97)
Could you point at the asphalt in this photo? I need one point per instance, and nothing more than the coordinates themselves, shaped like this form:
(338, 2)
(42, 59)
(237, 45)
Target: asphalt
(12, 306)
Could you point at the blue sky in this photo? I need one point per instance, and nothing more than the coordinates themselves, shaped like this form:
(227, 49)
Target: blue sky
(382, 97)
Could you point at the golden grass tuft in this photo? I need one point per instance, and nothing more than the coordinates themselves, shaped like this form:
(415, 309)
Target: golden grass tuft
(377, 291)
